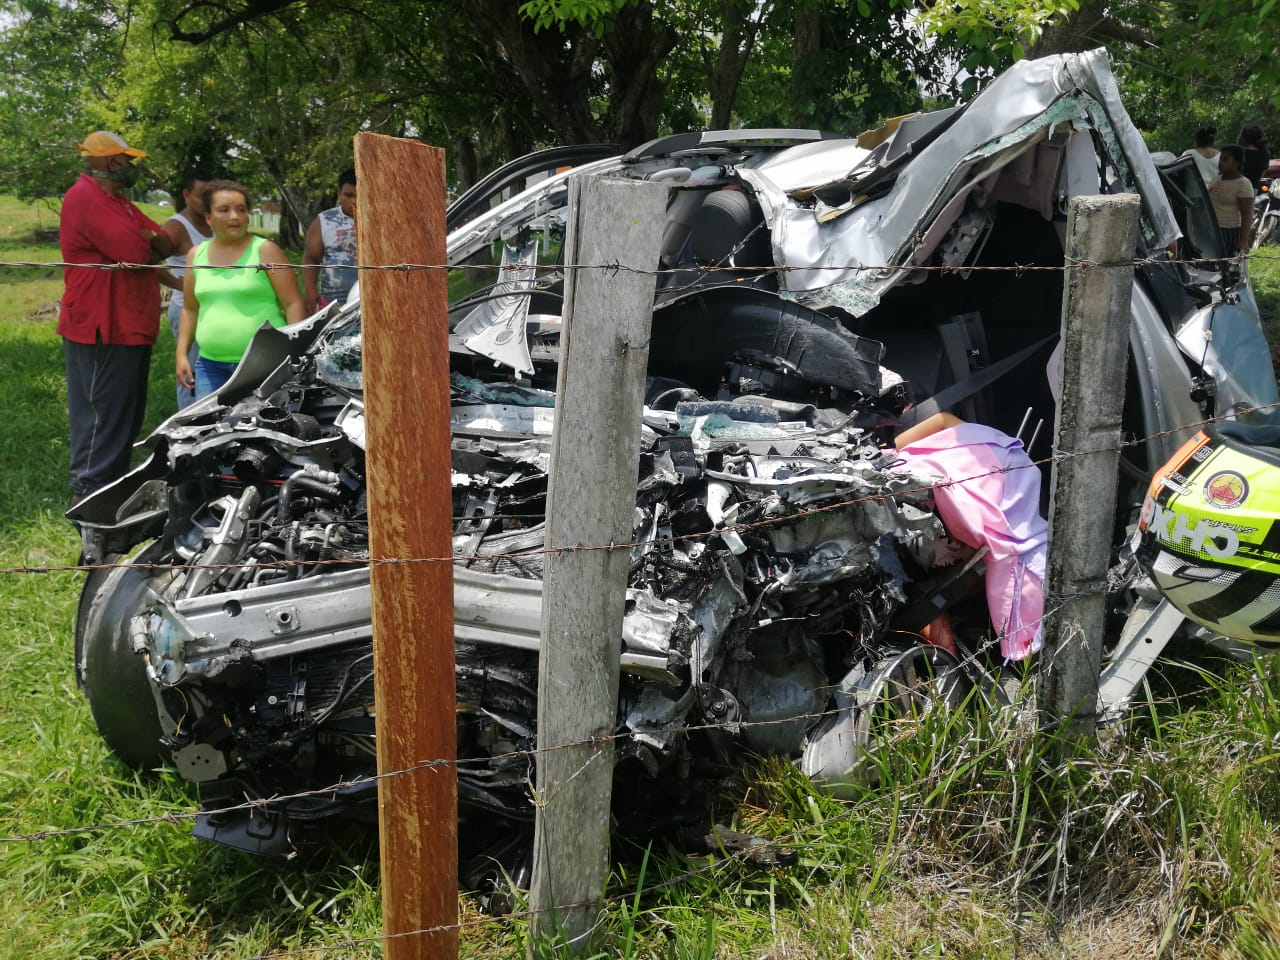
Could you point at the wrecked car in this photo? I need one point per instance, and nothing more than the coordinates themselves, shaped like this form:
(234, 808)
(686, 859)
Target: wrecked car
(815, 294)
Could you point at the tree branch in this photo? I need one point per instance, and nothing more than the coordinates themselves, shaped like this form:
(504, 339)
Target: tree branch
(1112, 29)
(233, 18)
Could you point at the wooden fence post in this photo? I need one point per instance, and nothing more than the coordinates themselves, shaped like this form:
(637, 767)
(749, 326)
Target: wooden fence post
(1096, 318)
(406, 387)
(604, 351)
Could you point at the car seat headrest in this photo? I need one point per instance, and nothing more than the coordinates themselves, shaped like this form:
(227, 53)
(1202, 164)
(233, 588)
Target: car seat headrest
(728, 230)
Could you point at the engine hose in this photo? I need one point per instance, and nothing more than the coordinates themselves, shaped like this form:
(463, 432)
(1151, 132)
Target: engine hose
(284, 509)
(290, 551)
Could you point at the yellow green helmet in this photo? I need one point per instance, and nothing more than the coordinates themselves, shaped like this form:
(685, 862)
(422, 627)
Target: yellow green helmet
(1209, 533)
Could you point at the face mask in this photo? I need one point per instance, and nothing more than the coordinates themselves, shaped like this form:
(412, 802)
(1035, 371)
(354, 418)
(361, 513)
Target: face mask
(128, 174)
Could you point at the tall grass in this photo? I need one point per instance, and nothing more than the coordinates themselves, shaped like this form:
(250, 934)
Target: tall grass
(968, 835)
(1264, 271)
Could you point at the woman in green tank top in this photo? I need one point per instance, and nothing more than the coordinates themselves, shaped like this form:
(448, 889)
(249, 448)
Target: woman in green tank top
(225, 297)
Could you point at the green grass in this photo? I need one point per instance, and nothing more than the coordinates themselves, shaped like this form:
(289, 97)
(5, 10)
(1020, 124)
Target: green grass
(973, 839)
(1264, 272)
(28, 293)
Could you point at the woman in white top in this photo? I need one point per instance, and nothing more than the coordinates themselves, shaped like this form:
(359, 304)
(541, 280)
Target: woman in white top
(1204, 154)
(187, 228)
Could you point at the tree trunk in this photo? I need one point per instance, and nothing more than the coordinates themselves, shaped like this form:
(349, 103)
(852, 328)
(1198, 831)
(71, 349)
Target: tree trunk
(465, 166)
(740, 25)
(1087, 27)
(724, 78)
(806, 40)
(634, 47)
(295, 216)
(554, 66)
(1069, 35)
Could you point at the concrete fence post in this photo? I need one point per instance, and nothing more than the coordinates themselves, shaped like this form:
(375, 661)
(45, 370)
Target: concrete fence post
(591, 499)
(1102, 236)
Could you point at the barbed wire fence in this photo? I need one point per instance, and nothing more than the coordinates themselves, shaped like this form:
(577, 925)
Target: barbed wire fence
(709, 269)
(970, 659)
(790, 839)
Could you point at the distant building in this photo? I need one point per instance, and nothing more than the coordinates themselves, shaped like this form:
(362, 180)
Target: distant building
(266, 217)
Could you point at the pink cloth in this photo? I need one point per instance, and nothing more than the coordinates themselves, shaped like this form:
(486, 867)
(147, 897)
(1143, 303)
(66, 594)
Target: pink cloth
(991, 498)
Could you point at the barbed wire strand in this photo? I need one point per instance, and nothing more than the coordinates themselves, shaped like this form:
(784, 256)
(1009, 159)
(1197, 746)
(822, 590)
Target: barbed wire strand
(787, 840)
(792, 839)
(970, 659)
(614, 266)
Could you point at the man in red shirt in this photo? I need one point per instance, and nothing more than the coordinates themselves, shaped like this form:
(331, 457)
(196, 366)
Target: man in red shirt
(109, 317)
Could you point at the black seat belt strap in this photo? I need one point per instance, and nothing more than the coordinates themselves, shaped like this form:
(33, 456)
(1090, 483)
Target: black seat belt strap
(949, 396)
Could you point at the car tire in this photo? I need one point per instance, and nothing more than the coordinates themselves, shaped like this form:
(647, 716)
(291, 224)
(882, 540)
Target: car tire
(92, 584)
(113, 676)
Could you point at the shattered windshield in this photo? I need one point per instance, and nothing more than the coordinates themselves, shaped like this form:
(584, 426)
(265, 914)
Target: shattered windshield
(338, 358)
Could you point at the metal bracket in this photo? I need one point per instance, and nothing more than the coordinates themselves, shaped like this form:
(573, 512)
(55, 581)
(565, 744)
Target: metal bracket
(1149, 628)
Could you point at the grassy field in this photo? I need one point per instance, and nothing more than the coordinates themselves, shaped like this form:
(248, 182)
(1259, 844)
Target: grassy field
(978, 840)
(1264, 272)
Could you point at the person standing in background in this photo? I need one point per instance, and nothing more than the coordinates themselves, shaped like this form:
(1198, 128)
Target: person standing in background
(331, 240)
(1255, 154)
(1204, 153)
(109, 318)
(1232, 197)
(226, 303)
(186, 229)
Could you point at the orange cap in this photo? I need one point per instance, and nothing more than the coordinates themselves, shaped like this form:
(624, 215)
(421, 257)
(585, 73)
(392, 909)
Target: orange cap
(102, 143)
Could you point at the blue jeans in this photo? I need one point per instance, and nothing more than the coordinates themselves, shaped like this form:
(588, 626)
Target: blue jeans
(211, 375)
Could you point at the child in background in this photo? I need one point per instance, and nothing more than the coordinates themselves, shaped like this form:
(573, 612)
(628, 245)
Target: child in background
(1232, 196)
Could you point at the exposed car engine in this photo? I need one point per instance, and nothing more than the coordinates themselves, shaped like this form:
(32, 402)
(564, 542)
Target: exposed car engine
(773, 545)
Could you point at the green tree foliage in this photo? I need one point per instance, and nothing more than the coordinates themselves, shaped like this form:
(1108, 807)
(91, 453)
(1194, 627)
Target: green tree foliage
(60, 63)
(837, 63)
(841, 66)
(546, 14)
(295, 83)
(995, 31)
(1182, 65)
(272, 91)
(252, 104)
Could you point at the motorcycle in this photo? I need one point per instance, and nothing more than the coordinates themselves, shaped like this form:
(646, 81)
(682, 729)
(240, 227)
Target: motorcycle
(1266, 217)
(1204, 557)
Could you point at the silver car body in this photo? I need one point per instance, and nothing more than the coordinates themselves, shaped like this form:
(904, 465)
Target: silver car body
(258, 672)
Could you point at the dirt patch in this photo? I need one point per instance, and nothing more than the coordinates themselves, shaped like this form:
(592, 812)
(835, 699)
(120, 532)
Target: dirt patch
(45, 311)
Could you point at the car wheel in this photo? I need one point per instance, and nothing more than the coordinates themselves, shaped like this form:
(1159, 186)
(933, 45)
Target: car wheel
(92, 585)
(113, 676)
(878, 698)
(906, 686)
